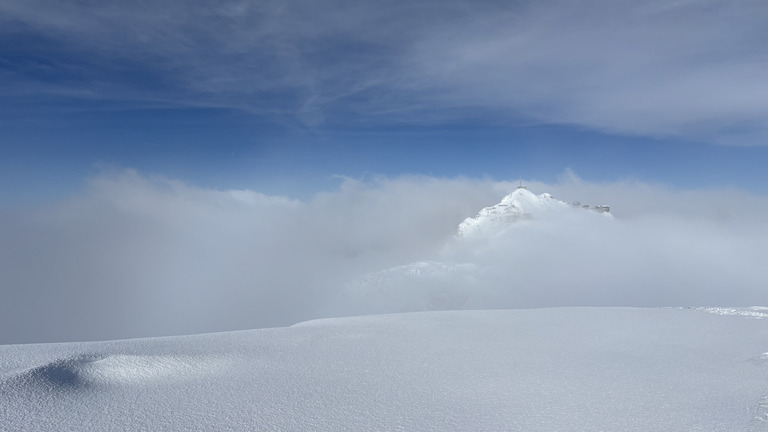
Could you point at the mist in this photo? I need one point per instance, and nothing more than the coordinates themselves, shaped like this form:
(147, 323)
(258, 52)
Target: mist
(134, 255)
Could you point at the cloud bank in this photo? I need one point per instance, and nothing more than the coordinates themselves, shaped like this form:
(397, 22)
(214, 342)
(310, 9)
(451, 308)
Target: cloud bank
(134, 255)
(685, 69)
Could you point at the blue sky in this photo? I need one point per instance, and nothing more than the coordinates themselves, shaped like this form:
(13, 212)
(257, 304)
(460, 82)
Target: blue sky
(281, 96)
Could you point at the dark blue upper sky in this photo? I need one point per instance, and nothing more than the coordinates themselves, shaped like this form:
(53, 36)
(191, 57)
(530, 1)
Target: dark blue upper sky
(280, 96)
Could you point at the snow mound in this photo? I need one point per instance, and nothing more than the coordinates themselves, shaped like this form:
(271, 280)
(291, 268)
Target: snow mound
(84, 371)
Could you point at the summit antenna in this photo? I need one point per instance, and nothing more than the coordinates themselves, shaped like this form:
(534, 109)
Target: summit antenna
(521, 184)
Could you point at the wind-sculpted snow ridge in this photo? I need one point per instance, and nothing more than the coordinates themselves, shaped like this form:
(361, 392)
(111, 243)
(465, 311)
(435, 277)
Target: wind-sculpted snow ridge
(756, 312)
(520, 205)
(572, 369)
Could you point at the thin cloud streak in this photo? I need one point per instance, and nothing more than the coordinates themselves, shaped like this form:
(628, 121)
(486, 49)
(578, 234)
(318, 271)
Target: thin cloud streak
(690, 70)
(139, 256)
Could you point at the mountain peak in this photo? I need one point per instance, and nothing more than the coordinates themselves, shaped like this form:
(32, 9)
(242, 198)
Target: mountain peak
(466, 266)
(520, 205)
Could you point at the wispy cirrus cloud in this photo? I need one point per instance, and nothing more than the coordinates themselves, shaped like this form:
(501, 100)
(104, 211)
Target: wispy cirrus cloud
(688, 69)
(684, 69)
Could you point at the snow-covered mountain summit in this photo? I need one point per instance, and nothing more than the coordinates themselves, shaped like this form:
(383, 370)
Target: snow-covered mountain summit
(521, 204)
(483, 261)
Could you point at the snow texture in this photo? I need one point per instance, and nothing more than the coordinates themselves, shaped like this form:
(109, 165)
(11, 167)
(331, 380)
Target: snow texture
(571, 369)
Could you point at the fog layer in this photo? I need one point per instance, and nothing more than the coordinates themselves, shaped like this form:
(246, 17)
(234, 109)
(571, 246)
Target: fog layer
(134, 256)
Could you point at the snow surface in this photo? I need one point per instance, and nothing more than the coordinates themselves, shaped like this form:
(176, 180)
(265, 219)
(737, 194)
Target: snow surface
(571, 369)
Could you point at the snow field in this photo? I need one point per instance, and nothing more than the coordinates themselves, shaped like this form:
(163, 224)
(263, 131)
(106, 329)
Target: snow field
(570, 369)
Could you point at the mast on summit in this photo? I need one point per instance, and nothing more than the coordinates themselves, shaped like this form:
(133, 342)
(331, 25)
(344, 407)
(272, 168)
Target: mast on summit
(521, 184)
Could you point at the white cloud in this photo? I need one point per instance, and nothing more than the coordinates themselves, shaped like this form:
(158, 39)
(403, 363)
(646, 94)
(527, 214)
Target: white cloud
(663, 248)
(139, 256)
